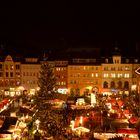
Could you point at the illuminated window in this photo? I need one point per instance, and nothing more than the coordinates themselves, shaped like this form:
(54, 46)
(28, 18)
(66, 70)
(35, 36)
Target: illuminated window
(11, 67)
(126, 75)
(136, 60)
(113, 75)
(126, 68)
(105, 75)
(92, 75)
(119, 75)
(96, 74)
(106, 60)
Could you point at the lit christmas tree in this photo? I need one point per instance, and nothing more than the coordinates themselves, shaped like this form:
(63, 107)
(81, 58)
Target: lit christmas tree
(46, 81)
(47, 85)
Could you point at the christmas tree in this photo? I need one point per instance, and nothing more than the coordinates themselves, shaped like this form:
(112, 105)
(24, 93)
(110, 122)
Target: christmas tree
(46, 81)
(47, 85)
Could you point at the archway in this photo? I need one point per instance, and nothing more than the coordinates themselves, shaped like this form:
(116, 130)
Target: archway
(105, 84)
(126, 85)
(112, 85)
(119, 85)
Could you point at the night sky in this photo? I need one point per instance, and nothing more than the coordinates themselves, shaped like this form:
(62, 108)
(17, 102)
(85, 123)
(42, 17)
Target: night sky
(58, 25)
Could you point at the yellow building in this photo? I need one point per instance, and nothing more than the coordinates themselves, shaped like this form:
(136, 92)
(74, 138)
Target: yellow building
(30, 73)
(78, 76)
(83, 76)
(116, 73)
(10, 75)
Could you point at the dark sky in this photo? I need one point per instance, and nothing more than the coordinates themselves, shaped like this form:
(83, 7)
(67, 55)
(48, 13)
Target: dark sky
(69, 24)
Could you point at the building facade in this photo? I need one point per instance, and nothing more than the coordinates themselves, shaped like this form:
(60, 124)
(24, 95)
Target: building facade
(75, 76)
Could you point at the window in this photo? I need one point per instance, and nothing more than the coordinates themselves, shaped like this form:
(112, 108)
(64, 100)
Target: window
(105, 75)
(106, 60)
(11, 74)
(113, 75)
(105, 68)
(126, 75)
(92, 75)
(126, 68)
(7, 74)
(1, 74)
(0, 66)
(11, 67)
(119, 75)
(136, 60)
(113, 68)
(6, 67)
(127, 60)
(17, 66)
(17, 74)
(96, 74)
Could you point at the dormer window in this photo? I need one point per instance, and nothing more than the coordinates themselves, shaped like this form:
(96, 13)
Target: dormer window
(127, 60)
(116, 59)
(106, 60)
(136, 60)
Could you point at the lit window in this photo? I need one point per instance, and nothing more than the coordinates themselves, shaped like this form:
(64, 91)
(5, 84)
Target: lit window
(119, 75)
(106, 60)
(136, 60)
(92, 75)
(126, 75)
(113, 75)
(96, 74)
(105, 75)
(11, 67)
(126, 68)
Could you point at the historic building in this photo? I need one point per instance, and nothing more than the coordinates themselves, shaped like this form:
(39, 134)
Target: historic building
(83, 76)
(76, 75)
(29, 74)
(10, 75)
(61, 73)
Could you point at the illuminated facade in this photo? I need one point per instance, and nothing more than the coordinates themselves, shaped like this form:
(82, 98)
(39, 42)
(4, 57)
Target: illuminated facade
(83, 77)
(61, 73)
(10, 74)
(76, 76)
(30, 73)
(116, 75)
